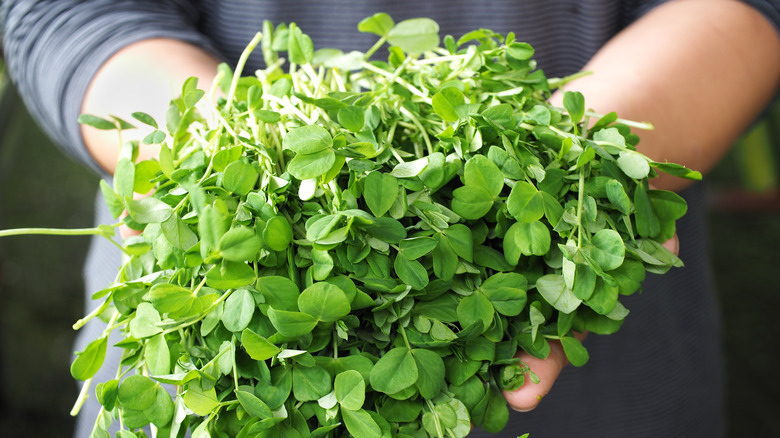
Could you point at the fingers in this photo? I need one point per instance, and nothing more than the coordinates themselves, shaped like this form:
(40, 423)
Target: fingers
(673, 245)
(528, 396)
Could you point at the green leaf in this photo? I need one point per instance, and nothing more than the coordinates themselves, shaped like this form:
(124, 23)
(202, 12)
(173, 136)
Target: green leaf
(199, 401)
(350, 389)
(394, 372)
(324, 301)
(305, 166)
(253, 405)
(112, 199)
(157, 355)
(278, 233)
(525, 202)
(608, 249)
(360, 424)
(310, 383)
(461, 239)
(239, 244)
(299, 46)
(411, 272)
(575, 352)
(380, 191)
(475, 308)
(291, 324)
(647, 223)
(445, 103)
(148, 210)
(89, 360)
(281, 293)
(506, 292)
(230, 275)
(416, 247)
(239, 178)
(378, 24)
(526, 238)
(618, 197)
(430, 368)
(124, 178)
(238, 311)
(170, 298)
(137, 392)
(479, 171)
(634, 164)
(351, 118)
(258, 347)
(471, 202)
(574, 102)
(96, 122)
(161, 411)
(146, 321)
(415, 35)
(307, 139)
(604, 297)
(554, 290)
(520, 51)
(179, 233)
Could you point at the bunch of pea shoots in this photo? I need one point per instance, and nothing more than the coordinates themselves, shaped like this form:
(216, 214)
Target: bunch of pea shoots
(341, 246)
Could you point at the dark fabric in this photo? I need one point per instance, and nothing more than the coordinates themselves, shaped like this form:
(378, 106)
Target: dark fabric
(661, 375)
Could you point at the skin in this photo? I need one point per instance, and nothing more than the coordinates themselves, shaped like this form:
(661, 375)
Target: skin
(699, 70)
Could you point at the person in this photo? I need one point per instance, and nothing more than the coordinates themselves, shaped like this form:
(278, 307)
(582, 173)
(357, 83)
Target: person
(700, 71)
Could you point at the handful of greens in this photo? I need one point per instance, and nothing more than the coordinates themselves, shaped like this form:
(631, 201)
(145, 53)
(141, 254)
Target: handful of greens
(360, 247)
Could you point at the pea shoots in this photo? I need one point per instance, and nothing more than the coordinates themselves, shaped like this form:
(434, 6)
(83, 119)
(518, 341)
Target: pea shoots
(340, 245)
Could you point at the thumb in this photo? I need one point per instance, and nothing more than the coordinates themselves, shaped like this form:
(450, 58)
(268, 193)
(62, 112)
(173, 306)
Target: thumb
(528, 396)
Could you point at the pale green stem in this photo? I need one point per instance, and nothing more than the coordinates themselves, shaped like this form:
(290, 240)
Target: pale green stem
(240, 66)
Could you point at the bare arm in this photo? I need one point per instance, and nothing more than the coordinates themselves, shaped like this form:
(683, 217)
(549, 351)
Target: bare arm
(143, 76)
(700, 71)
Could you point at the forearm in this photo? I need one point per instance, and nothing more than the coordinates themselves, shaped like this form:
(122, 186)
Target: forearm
(699, 70)
(143, 76)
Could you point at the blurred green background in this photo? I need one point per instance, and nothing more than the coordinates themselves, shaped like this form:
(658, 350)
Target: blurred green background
(41, 287)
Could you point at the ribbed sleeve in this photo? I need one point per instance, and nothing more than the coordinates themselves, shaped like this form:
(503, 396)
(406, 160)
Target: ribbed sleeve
(54, 48)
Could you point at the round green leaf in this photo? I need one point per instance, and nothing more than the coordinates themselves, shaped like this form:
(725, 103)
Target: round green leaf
(553, 289)
(608, 249)
(239, 244)
(479, 171)
(526, 238)
(379, 192)
(307, 139)
(305, 166)
(525, 203)
(324, 301)
(278, 233)
(310, 383)
(394, 372)
(506, 291)
(415, 35)
(350, 390)
(137, 392)
(471, 202)
(239, 178)
(475, 308)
